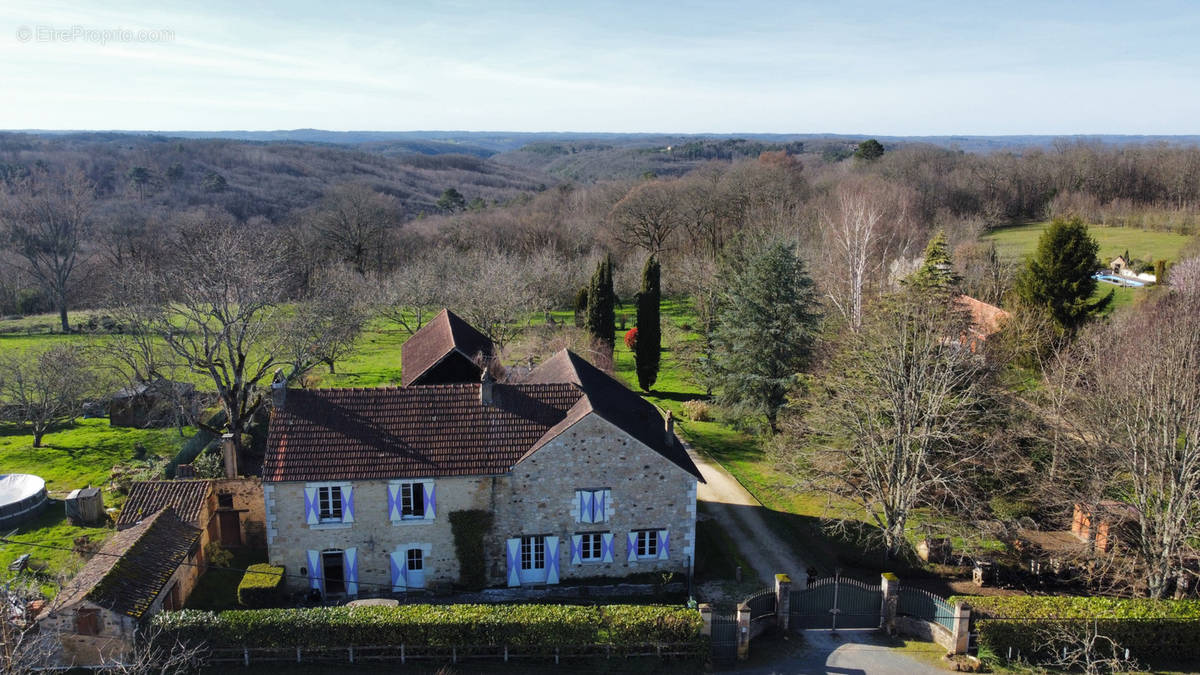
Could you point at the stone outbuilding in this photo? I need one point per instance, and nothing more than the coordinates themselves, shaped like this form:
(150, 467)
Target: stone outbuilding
(583, 478)
(445, 350)
(227, 511)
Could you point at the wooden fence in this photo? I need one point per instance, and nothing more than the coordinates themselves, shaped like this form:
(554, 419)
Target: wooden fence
(453, 654)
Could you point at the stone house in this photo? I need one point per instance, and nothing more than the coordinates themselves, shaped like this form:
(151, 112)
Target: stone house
(583, 477)
(141, 570)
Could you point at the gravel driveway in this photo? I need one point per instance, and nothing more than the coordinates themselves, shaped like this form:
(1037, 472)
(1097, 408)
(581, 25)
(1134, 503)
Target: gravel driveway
(847, 652)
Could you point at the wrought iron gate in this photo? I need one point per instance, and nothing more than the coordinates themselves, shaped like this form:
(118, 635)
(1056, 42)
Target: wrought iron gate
(724, 637)
(836, 602)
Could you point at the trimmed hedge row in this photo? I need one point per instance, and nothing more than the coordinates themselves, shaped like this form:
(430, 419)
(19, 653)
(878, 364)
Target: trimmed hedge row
(261, 586)
(525, 626)
(1150, 629)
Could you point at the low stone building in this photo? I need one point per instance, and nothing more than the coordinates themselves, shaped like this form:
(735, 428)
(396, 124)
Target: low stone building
(583, 478)
(445, 350)
(141, 570)
(229, 511)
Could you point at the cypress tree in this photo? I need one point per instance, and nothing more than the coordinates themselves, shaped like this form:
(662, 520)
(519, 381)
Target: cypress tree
(1058, 277)
(601, 306)
(647, 350)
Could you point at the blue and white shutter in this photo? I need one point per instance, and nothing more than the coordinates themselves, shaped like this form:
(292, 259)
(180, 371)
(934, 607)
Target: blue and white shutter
(664, 544)
(312, 514)
(513, 548)
(552, 560)
(399, 571)
(351, 564)
(577, 549)
(631, 547)
(315, 581)
(606, 510)
(430, 499)
(393, 504)
(606, 547)
(587, 506)
(347, 503)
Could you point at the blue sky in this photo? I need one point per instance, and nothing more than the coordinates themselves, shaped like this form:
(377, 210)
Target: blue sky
(901, 67)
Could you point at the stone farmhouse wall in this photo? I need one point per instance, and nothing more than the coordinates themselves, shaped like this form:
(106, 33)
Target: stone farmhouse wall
(538, 498)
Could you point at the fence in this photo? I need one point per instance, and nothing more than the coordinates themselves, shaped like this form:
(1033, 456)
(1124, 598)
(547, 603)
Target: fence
(926, 606)
(762, 604)
(455, 654)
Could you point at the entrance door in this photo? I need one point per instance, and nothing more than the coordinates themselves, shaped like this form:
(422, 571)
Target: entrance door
(533, 560)
(416, 568)
(334, 562)
(231, 528)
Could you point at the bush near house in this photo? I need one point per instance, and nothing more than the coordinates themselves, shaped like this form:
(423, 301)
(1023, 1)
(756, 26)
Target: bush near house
(1153, 630)
(261, 586)
(529, 627)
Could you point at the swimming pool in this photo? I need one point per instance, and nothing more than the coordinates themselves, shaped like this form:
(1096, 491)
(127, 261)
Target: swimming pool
(1120, 281)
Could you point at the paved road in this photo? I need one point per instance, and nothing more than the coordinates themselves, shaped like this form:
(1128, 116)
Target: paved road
(850, 652)
(740, 515)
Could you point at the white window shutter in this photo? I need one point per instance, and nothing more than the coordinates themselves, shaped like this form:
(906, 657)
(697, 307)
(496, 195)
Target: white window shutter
(430, 499)
(513, 547)
(311, 508)
(576, 549)
(347, 503)
(552, 560)
(351, 572)
(631, 547)
(393, 503)
(587, 507)
(608, 509)
(606, 547)
(315, 571)
(664, 544)
(399, 571)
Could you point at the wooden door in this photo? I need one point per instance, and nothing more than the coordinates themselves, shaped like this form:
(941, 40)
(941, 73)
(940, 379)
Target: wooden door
(231, 528)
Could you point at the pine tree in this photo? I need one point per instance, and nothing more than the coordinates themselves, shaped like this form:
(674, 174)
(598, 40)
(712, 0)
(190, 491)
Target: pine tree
(767, 323)
(601, 307)
(648, 347)
(1058, 277)
(937, 271)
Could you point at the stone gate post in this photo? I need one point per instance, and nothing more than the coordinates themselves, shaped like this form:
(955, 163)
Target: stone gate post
(743, 631)
(783, 600)
(706, 616)
(890, 584)
(962, 627)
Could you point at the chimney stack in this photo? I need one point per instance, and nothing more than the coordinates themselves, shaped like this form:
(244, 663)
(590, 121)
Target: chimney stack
(486, 385)
(278, 389)
(670, 428)
(229, 455)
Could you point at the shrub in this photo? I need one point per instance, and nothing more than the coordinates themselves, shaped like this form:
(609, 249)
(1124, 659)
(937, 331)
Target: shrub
(697, 411)
(1009, 509)
(1150, 629)
(631, 338)
(261, 586)
(469, 527)
(217, 555)
(529, 627)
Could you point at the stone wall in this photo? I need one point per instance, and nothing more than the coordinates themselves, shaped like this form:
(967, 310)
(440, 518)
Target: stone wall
(247, 496)
(537, 498)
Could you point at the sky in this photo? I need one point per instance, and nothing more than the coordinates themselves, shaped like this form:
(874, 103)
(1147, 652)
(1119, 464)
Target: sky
(903, 67)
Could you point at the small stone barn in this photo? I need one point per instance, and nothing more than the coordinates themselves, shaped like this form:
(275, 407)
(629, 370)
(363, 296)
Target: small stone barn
(138, 572)
(446, 350)
(151, 404)
(228, 511)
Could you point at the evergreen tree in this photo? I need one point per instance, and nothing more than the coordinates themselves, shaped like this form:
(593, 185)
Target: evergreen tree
(648, 347)
(601, 303)
(1058, 277)
(869, 150)
(767, 323)
(937, 271)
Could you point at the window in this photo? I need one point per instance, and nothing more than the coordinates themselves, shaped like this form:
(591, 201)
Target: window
(87, 621)
(329, 504)
(647, 544)
(591, 546)
(416, 560)
(593, 504)
(225, 501)
(533, 553)
(412, 500)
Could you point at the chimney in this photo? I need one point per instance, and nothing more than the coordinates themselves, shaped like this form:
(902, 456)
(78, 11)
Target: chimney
(670, 428)
(278, 389)
(486, 385)
(229, 454)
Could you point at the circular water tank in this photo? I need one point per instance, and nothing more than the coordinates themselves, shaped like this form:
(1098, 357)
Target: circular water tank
(22, 496)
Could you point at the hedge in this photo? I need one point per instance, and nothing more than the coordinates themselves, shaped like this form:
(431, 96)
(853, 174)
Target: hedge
(1151, 629)
(261, 586)
(529, 627)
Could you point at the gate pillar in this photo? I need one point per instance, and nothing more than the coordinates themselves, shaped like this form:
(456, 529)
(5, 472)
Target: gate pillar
(962, 627)
(743, 632)
(890, 585)
(706, 616)
(783, 600)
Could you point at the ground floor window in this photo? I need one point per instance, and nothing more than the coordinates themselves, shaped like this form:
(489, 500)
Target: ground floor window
(533, 553)
(647, 543)
(591, 546)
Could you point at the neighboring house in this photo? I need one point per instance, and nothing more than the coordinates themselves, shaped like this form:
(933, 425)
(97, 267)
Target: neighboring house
(584, 478)
(228, 511)
(155, 404)
(445, 350)
(1103, 524)
(1121, 267)
(139, 571)
(1118, 265)
(986, 320)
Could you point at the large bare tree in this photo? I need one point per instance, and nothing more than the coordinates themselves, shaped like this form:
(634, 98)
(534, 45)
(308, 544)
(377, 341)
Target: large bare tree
(415, 291)
(1136, 400)
(42, 389)
(45, 219)
(353, 220)
(648, 215)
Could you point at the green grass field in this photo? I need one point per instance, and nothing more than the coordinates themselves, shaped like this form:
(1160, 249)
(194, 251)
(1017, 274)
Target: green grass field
(1016, 242)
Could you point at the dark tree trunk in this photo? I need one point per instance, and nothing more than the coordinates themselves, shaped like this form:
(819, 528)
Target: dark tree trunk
(62, 315)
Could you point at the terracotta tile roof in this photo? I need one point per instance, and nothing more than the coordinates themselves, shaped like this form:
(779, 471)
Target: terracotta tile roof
(444, 334)
(148, 497)
(133, 566)
(444, 430)
(985, 318)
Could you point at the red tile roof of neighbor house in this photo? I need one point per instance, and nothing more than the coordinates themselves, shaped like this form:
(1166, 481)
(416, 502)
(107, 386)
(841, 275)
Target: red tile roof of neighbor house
(148, 497)
(446, 430)
(445, 333)
(986, 319)
(133, 566)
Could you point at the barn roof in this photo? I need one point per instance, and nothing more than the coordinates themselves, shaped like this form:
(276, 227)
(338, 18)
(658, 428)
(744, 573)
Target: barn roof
(445, 334)
(148, 497)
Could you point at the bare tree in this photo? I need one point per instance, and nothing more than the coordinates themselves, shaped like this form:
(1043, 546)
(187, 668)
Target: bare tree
(353, 220)
(1136, 401)
(1080, 646)
(414, 292)
(648, 215)
(327, 323)
(898, 421)
(493, 293)
(25, 648)
(42, 389)
(45, 220)
(1184, 276)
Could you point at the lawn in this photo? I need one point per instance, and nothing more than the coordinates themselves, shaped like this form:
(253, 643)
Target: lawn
(1016, 242)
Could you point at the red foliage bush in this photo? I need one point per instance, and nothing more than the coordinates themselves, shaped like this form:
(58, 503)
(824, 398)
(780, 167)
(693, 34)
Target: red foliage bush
(631, 337)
